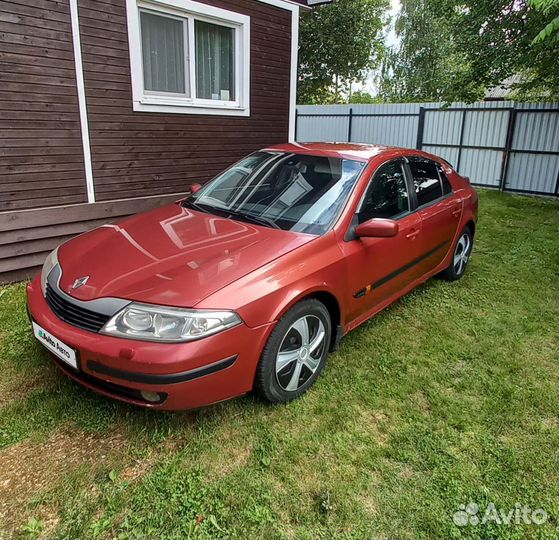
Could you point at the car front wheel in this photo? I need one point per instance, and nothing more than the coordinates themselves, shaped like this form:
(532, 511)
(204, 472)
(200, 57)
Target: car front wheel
(295, 353)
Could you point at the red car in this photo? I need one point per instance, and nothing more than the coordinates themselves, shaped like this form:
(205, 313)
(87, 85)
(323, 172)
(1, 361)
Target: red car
(247, 284)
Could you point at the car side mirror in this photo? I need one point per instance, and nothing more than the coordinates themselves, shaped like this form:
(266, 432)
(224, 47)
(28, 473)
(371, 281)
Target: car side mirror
(195, 188)
(377, 228)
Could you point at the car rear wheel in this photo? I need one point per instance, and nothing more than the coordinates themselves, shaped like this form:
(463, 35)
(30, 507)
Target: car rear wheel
(461, 256)
(295, 353)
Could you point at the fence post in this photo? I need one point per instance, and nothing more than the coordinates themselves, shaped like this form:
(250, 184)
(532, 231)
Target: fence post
(350, 124)
(506, 150)
(461, 142)
(420, 128)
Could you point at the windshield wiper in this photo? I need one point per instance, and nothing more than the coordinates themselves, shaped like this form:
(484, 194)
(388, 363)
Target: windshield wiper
(195, 206)
(227, 213)
(259, 220)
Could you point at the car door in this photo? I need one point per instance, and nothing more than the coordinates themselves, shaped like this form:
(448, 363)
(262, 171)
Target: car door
(378, 268)
(438, 207)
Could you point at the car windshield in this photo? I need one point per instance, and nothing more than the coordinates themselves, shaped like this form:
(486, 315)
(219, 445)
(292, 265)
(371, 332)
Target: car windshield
(294, 192)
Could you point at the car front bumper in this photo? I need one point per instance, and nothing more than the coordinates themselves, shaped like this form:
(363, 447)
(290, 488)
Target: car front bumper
(185, 375)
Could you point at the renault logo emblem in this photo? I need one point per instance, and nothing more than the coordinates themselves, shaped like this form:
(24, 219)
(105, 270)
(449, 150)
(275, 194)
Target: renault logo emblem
(79, 282)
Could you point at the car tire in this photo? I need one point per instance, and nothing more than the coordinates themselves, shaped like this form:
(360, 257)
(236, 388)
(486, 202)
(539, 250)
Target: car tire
(295, 353)
(460, 256)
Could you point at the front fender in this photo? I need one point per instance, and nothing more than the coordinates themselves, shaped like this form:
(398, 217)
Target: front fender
(264, 295)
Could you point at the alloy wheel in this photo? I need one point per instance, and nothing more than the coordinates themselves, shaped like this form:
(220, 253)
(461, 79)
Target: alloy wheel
(300, 352)
(462, 253)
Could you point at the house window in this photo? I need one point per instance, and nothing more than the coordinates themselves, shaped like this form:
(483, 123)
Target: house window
(189, 57)
(215, 61)
(164, 63)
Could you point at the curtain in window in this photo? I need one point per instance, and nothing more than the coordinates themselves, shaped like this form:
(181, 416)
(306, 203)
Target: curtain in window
(163, 53)
(215, 64)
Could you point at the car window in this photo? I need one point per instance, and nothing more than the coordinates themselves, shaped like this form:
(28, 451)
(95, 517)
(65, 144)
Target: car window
(226, 186)
(447, 188)
(426, 180)
(295, 192)
(387, 195)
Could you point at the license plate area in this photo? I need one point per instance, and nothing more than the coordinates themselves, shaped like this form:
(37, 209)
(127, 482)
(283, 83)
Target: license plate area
(66, 353)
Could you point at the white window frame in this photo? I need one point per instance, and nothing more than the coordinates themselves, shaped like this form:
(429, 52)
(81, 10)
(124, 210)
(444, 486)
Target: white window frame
(189, 11)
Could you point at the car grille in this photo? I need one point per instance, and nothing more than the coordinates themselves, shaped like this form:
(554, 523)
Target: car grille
(73, 314)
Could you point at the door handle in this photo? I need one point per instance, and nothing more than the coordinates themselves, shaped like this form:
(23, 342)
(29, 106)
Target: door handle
(457, 211)
(412, 234)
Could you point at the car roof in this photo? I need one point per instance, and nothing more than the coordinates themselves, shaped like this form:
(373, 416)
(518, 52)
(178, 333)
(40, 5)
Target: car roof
(362, 152)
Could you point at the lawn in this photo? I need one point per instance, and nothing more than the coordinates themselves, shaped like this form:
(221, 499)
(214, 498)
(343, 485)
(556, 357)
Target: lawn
(449, 397)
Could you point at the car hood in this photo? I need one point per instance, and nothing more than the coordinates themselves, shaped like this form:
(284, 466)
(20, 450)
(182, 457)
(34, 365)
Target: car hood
(171, 256)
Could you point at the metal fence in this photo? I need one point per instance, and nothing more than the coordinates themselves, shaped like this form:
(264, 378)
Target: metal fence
(507, 145)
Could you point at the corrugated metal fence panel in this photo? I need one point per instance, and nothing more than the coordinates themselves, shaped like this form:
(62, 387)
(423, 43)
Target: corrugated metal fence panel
(394, 125)
(480, 128)
(533, 172)
(389, 130)
(485, 127)
(442, 127)
(450, 154)
(536, 131)
(482, 167)
(322, 128)
(386, 108)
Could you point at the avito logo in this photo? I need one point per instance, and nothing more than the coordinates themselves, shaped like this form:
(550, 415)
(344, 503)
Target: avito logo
(47, 338)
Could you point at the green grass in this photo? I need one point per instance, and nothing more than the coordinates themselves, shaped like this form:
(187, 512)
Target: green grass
(448, 397)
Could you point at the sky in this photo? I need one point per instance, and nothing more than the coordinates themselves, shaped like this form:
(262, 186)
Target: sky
(391, 40)
(394, 9)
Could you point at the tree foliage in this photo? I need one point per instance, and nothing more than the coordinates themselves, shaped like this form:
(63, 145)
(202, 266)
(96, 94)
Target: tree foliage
(363, 98)
(428, 65)
(339, 44)
(551, 29)
(453, 50)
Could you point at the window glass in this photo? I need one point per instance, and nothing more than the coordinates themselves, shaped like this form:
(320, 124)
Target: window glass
(293, 192)
(426, 180)
(388, 195)
(163, 53)
(234, 182)
(447, 188)
(215, 66)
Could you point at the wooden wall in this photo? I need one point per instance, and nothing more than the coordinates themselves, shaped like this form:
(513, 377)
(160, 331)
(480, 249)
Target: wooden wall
(138, 153)
(41, 158)
(27, 236)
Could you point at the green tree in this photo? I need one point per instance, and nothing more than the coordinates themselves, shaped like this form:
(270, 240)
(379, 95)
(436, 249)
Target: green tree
(339, 44)
(551, 29)
(361, 97)
(456, 49)
(428, 65)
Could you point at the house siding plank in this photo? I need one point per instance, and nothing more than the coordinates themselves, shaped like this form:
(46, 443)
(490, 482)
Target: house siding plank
(27, 236)
(39, 126)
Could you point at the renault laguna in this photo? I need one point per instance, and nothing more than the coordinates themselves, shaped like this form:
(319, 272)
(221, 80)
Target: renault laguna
(248, 283)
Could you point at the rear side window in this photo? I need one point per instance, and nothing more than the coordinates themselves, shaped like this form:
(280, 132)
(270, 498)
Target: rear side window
(426, 180)
(447, 188)
(387, 195)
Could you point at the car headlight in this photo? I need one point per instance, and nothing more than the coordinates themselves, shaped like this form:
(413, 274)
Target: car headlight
(48, 265)
(159, 323)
